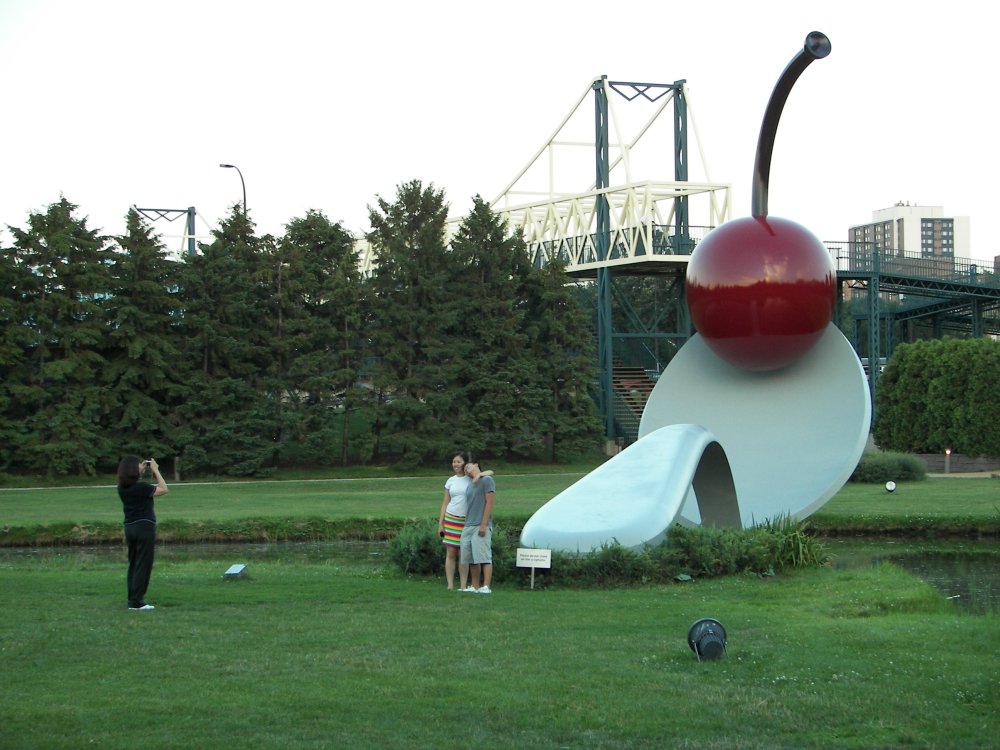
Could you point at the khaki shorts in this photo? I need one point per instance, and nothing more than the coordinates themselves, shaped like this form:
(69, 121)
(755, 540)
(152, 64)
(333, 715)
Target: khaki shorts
(475, 549)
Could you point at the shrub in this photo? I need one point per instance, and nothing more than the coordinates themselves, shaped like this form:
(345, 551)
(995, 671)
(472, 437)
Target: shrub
(878, 468)
(417, 549)
(761, 550)
(611, 565)
(696, 552)
(506, 540)
(790, 545)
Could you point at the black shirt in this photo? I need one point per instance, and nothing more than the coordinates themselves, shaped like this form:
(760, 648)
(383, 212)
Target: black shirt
(137, 501)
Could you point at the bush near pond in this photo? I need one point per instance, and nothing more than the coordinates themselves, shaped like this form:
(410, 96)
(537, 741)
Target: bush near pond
(883, 467)
(686, 553)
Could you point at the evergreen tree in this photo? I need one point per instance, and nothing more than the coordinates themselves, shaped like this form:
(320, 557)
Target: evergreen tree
(147, 373)
(561, 340)
(318, 339)
(15, 339)
(503, 389)
(414, 315)
(227, 423)
(58, 398)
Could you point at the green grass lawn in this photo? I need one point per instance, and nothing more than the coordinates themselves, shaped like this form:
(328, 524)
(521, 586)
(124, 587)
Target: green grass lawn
(373, 497)
(936, 496)
(346, 653)
(342, 651)
(934, 506)
(518, 493)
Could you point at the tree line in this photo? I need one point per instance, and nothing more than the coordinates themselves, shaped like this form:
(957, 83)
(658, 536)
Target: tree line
(940, 394)
(261, 352)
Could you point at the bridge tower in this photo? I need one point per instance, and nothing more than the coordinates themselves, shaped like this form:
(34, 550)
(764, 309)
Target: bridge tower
(188, 238)
(618, 225)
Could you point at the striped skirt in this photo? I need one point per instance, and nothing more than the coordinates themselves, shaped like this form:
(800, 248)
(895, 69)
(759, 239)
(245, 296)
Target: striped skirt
(453, 526)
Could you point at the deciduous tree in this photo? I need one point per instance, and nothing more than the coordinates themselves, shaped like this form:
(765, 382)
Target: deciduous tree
(940, 394)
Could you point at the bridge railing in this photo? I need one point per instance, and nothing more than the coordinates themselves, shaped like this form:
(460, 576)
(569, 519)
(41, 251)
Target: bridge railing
(866, 258)
(626, 242)
(641, 217)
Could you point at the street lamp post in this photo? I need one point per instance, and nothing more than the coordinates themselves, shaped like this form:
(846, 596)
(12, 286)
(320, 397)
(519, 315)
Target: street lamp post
(233, 166)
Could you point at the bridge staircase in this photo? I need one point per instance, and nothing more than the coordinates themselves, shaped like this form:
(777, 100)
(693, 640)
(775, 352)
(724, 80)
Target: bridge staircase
(630, 386)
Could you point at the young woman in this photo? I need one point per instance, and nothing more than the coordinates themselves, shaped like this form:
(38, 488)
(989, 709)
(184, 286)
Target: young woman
(140, 525)
(451, 519)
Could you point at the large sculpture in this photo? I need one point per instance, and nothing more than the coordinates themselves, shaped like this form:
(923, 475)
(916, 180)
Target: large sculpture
(764, 412)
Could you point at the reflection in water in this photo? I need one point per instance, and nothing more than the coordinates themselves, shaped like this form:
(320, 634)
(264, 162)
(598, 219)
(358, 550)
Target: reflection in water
(972, 582)
(966, 573)
(283, 551)
(277, 551)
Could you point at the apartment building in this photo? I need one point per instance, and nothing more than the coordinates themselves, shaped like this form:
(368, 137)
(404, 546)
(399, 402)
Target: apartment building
(915, 231)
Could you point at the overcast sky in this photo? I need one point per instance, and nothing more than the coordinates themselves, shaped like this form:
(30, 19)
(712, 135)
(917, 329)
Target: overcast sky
(327, 105)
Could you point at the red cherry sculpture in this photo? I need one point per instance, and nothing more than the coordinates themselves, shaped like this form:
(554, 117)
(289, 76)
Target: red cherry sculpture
(761, 290)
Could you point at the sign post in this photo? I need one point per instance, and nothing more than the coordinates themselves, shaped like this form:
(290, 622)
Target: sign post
(534, 558)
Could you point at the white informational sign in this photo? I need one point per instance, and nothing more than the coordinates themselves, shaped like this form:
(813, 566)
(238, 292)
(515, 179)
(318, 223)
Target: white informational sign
(534, 558)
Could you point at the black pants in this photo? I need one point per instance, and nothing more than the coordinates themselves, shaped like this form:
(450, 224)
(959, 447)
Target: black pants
(140, 537)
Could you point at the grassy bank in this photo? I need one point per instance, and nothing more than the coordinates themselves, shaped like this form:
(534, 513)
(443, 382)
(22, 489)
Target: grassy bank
(258, 510)
(939, 506)
(375, 508)
(337, 653)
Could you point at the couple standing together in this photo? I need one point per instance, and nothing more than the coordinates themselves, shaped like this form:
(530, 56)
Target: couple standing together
(466, 525)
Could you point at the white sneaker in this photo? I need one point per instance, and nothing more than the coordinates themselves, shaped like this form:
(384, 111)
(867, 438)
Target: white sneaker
(469, 590)
(143, 608)
(484, 590)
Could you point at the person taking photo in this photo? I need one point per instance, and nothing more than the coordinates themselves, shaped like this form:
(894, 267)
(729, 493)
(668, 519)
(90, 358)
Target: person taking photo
(140, 525)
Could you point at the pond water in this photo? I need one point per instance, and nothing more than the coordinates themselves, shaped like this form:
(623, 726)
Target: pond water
(243, 553)
(965, 573)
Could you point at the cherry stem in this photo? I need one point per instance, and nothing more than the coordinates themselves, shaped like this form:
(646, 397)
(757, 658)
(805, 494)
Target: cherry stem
(816, 47)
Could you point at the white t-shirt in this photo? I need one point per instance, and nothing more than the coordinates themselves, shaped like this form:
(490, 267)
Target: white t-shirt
(458, 492)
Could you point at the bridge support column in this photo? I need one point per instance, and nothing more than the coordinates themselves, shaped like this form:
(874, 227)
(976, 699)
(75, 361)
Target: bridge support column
(977, 318)
(191, 247)
(605, 339)
(874, 323)
(603, 241)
